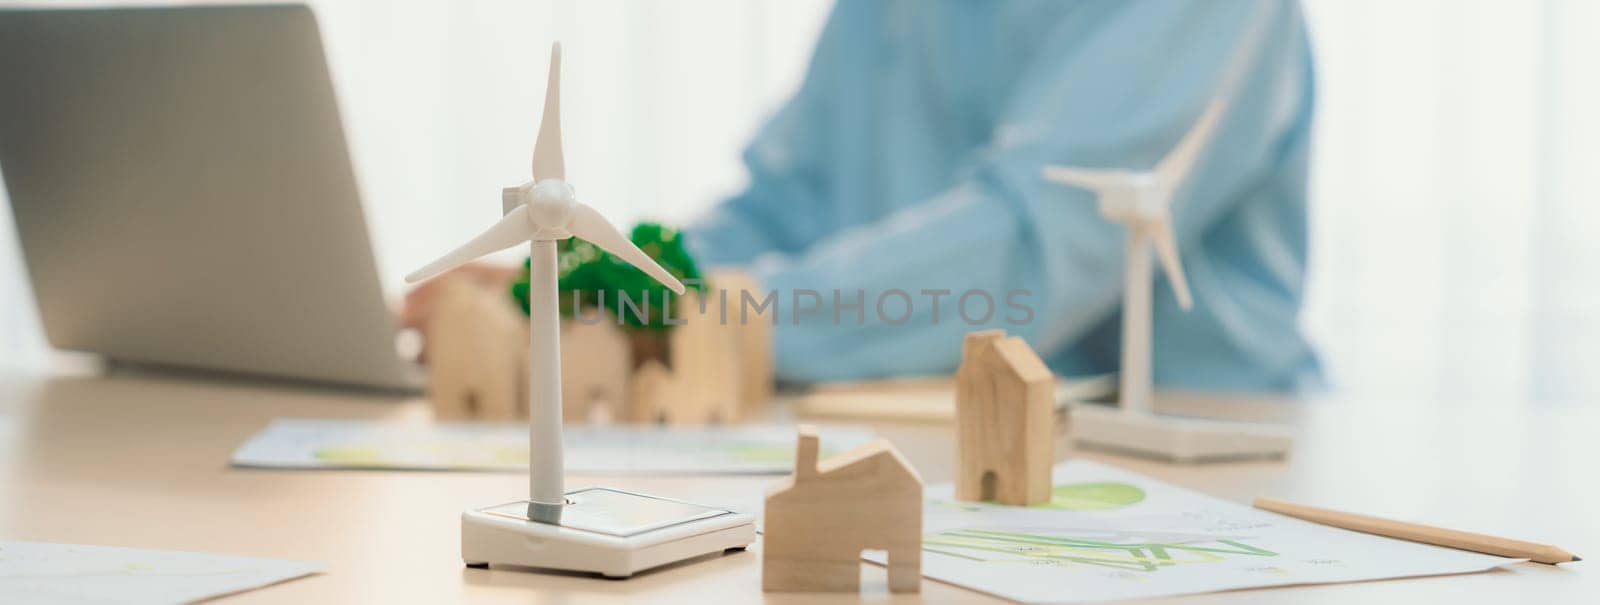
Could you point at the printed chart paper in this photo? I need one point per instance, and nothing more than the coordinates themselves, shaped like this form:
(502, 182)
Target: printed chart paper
(38, 572)
(1110, 534)
(357, 444)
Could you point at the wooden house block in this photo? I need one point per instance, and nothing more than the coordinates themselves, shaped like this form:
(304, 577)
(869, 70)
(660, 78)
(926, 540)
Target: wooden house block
(596, 362)
(701, 383)
(705, 356)
(753, 335)
(478, 354)
(651, 388)
(819, 520)
(1004, 421)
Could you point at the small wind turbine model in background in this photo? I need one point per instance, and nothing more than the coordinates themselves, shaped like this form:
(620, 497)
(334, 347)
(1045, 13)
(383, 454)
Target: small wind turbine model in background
(1142, 201)
(604, 530)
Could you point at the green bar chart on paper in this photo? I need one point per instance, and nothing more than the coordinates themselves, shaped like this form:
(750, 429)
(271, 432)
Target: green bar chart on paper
(1110, 534)
(1119, 550)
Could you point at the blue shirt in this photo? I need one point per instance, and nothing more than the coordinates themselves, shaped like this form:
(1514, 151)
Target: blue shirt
(909, 161)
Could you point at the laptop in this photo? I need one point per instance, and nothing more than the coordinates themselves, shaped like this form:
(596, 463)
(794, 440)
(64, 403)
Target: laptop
(183, 194)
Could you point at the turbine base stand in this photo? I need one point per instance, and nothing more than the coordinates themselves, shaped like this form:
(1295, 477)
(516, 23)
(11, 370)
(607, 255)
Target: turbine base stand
(1177, 438)
(606, 531)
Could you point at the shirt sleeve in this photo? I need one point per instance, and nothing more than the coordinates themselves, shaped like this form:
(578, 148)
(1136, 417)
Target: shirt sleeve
(785, 165)
(1113, 87)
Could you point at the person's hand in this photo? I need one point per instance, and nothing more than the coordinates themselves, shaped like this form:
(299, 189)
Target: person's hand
(421, 300)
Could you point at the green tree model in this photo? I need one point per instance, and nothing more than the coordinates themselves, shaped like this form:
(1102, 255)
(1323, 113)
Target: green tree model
(589, 271)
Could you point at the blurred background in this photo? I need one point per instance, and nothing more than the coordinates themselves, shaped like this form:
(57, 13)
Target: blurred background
(1455, 200)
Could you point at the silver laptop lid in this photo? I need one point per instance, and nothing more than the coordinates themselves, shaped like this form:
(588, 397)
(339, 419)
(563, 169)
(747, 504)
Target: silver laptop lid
(183, 193)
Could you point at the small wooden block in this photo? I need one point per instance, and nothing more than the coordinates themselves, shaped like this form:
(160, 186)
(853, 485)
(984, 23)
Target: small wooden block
(754, 336)
(702, 383)
(819, 520)
(477, 358)
(596, 360)
(651, 388)
(1004, 421)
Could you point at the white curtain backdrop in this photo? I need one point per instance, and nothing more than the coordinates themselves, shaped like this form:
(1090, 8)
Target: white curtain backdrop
(1455, 198)
(1454, 192)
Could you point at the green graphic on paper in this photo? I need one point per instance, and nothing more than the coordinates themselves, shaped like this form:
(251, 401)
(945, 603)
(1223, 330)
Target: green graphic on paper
(472, 453)
(1093, 496)
(769, 452)
(444, 453)
(1129, 551)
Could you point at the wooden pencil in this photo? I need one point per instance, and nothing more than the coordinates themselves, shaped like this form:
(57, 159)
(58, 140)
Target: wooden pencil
(1416, 532)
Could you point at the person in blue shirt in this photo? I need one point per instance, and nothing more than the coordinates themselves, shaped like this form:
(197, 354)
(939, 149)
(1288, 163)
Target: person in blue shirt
(909, 161)
(905, 174)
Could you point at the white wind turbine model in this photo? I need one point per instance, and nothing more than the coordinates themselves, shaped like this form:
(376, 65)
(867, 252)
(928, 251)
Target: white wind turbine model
(1142, 201)
(604, 530)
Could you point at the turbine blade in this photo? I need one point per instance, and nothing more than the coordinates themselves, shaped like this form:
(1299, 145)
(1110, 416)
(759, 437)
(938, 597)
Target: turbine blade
(589, 225)
(1167, 250)
(548, 161)
(1093, 179)
(513, 228)
(1175, 167)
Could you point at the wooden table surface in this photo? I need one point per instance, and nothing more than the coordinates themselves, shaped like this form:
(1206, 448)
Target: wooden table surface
(142, 461)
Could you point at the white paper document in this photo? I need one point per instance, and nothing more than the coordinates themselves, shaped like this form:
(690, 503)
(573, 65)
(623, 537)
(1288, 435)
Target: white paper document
(358, 444)
(38, 572)
(1110, 534)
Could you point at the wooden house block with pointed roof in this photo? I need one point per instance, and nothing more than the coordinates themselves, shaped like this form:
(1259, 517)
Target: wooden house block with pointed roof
(1005, 421)
(477, 355)
(819, 520)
